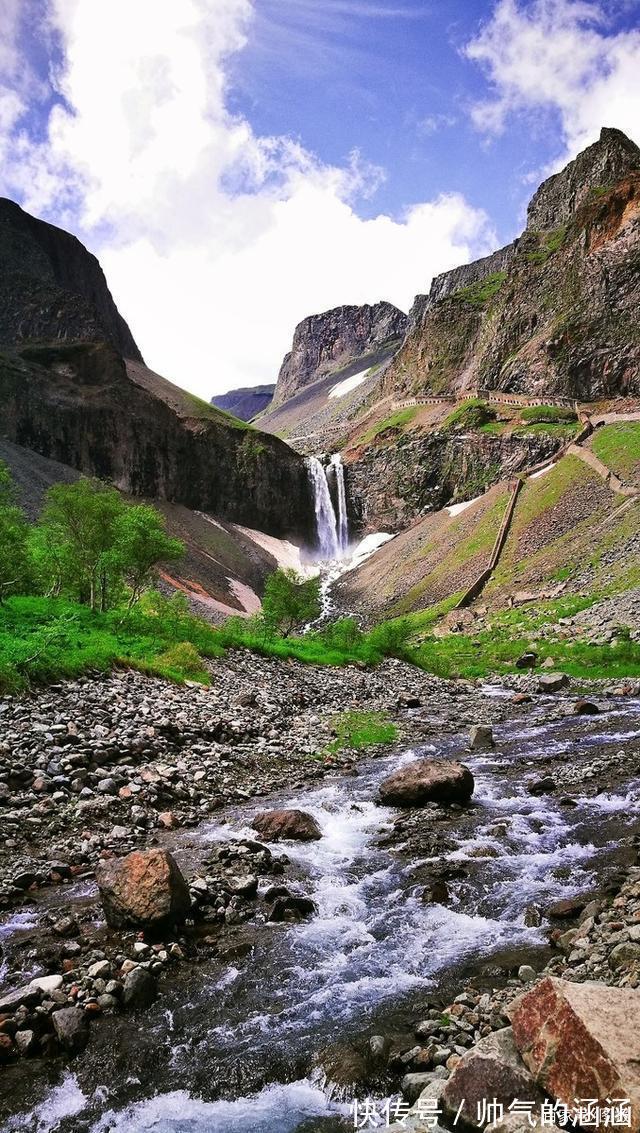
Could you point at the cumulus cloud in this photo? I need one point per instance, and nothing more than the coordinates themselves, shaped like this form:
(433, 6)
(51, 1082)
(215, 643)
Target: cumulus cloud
(215, 240)
(560, 56)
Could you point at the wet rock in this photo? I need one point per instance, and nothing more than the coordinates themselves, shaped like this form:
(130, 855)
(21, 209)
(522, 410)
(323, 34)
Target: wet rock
(566, 909)
(144, 890)
(71, 1028)
(481, 737)
(291, 908)
(580, 1040)
(279, 825)
(585, 708)
(427, 780)
(492, 1069)
(521, 698)
(344, 1065)
(414, 1085)
(553, 682)
(526, 974)
(26, 1042)
(379, 1049)
(11, 1001)
(436, 893)
(140, 988)
(542, 786)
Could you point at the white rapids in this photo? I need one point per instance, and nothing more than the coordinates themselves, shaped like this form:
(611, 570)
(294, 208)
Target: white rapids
(373, 942)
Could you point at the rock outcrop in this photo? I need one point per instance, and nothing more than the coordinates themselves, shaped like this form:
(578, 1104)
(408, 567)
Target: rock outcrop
(52, 289)
(144, 890)
(580, 1040)
(245, 403)
(427, 780)
(74, 389)
(491, 1071)
(328, 342)
(551, 315)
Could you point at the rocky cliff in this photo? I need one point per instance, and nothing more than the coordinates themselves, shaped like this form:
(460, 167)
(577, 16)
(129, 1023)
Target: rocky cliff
(390, 486)
(73, 388)
(51, 288)
(554, 313)
(245, 403)
(323, 344)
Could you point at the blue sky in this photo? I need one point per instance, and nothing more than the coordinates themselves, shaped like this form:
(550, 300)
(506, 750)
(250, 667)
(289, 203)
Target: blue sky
(239, 164)
(397, 87)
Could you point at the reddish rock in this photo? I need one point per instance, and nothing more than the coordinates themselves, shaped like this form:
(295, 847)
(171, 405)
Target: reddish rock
(144, 890)
(427, 780)
(276, 825)
(581, 1040)
(585, 708)
(167, 820)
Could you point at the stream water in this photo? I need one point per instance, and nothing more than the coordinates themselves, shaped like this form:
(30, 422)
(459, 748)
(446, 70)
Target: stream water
(230, 1051)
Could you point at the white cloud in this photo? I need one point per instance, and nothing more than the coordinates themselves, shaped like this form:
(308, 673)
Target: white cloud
(215, 241)
(562, 56)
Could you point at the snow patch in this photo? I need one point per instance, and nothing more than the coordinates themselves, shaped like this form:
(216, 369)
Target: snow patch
(455, 509)
(349, 384)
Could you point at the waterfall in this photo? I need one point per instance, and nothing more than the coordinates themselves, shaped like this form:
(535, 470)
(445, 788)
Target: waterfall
(325, 515)
(343, 521)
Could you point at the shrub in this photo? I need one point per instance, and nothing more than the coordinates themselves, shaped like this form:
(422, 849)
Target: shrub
(470, 414)
(182, 660)
(548, 414)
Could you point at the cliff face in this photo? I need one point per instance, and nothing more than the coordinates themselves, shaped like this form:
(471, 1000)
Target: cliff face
(392, 485)
(67, 393)
(329, 342)
(245, 403)
(554, 313)
(52, 288)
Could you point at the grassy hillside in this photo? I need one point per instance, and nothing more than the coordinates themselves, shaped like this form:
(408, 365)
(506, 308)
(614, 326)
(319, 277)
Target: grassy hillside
(618, 446)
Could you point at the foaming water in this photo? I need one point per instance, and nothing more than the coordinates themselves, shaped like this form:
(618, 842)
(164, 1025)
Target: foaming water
(373, 941)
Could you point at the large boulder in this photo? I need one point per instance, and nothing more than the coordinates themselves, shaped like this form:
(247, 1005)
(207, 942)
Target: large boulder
(279, 825)
(492, 1069)
(144, 890)
(581, 1040)
(425, 781)
(72, 1028)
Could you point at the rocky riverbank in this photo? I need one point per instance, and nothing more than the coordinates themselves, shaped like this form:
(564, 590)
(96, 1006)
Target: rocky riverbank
(124, 762)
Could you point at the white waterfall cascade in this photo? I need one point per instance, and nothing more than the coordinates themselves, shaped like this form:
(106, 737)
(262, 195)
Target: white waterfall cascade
(342, 530)
(326, 524)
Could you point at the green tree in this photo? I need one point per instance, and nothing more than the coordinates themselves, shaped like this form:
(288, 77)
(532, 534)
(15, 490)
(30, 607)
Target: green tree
(289, 601)
(14, 560)
(140, 544)
(74, 546)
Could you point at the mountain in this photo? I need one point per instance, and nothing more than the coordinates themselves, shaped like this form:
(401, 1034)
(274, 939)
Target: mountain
(552, 314)
(336, 360)
(245, 403)
(74, 388)
(327, 343)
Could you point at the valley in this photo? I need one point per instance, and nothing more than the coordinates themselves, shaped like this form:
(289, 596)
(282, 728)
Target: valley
(320, 724)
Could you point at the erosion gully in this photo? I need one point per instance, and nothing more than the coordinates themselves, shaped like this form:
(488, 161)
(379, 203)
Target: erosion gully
(230, 1047)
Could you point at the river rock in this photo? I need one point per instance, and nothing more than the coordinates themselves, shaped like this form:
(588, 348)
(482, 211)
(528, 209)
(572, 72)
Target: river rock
(427, 780)
(492, 1069)
(553, 682)
(581, 1040)
(278, 825)
(585, 708)
(481, 737)
(139, 988)
(71, 1027)
(144, 890)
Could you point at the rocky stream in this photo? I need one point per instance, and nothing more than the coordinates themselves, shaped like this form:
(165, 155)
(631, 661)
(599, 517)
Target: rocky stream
(426, 921)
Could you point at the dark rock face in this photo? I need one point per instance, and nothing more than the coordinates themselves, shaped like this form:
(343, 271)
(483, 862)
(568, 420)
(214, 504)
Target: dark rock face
(327, 342)
(245, 403)
(393, 484)
(52, 289)
(554, 313)
(67, 393)
(599, 166)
